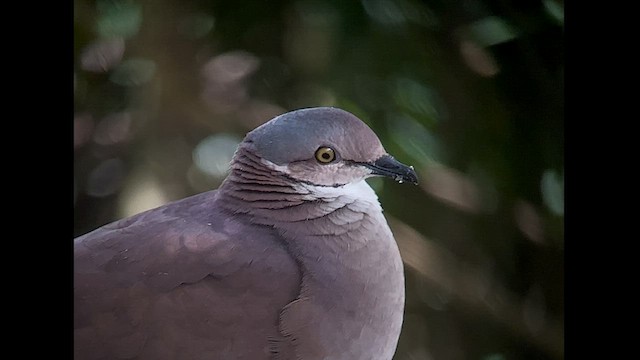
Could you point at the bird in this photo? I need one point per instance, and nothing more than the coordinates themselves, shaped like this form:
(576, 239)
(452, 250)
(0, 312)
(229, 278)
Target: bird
(290, 257)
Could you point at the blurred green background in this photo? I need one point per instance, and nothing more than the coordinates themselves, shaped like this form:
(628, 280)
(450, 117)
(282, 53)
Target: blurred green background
(469, 92)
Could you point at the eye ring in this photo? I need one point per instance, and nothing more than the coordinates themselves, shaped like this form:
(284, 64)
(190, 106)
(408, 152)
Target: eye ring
(325, 155)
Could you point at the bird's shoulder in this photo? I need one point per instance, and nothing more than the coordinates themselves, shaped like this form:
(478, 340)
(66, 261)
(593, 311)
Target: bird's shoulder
(181, 242)
(138, 279)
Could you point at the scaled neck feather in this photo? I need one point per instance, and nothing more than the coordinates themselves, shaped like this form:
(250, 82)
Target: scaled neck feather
(264, 190)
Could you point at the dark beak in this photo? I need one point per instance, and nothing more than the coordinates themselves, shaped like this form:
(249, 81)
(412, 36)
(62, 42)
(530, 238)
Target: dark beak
(386, 165)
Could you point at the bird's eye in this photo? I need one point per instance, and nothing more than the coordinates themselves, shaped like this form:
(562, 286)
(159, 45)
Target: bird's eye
(325, 155)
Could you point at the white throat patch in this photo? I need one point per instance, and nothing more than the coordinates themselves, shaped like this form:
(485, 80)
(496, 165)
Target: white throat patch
(357, 193)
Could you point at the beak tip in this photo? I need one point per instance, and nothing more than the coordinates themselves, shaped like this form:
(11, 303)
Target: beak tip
(411, 176)
(388, 166)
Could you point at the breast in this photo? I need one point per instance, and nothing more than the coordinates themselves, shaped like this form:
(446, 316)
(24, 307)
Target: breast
(352, 300)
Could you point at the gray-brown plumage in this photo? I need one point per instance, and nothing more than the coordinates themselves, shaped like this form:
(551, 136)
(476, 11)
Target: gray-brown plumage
(291, 258)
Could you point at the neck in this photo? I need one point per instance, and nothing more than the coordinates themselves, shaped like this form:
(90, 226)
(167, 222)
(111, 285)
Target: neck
(270, 196)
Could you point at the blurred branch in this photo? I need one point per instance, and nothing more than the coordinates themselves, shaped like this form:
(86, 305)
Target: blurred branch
(474, 288)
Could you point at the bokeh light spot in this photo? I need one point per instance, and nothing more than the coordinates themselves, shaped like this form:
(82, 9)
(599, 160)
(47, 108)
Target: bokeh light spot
(213, 154)
(118, 18)
(224, 77)
(102, 55)
(453, 188)
(478, 59)
(528, 221)
(141, 192)
(491, 30)
(230, 67)
(113, 129)
(552, 187)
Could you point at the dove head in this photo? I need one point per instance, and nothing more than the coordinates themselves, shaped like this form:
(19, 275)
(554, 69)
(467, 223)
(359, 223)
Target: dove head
(324, 146)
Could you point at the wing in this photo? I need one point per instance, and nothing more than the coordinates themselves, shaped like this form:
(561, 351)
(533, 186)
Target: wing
(183, 281)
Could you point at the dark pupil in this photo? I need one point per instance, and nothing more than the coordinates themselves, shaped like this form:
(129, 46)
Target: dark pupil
(326, 156)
